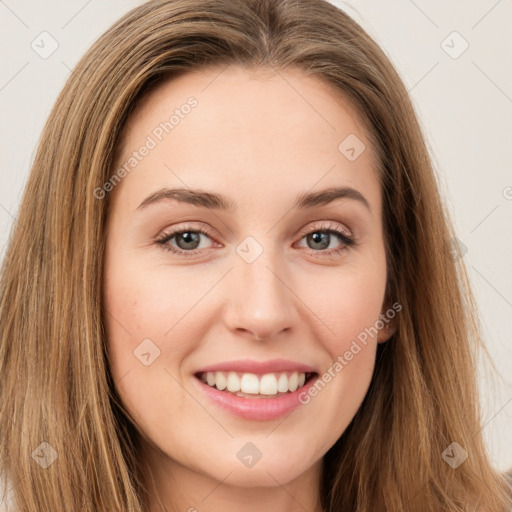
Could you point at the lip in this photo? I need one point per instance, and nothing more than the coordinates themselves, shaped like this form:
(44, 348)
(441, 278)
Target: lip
(258, 409)
(258, 367)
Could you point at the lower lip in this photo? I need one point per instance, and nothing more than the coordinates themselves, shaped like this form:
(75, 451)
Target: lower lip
(260, 409)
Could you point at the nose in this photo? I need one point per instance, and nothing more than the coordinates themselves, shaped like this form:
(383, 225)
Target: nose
(260, 302)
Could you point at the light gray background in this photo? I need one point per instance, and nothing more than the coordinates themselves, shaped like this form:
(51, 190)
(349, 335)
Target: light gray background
(464, 104)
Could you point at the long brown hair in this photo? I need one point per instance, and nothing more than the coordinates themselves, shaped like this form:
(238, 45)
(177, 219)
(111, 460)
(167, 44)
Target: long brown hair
(55, 384)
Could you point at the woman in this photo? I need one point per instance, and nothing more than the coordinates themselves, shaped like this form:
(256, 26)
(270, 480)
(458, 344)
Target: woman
(182, 347)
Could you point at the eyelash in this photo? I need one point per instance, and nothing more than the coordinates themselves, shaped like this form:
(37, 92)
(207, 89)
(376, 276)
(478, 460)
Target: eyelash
(328, 228)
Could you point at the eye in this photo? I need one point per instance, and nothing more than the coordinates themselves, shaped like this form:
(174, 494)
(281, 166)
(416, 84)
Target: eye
(188, 239)
(318, 238)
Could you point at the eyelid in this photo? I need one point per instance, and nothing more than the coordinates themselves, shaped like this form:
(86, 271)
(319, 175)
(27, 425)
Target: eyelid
(188, 226)
(326, 225)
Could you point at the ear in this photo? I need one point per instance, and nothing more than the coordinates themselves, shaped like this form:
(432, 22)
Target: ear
(386, 332)
(387, 323)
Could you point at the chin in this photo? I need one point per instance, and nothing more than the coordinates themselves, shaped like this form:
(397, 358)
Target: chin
(274, 466)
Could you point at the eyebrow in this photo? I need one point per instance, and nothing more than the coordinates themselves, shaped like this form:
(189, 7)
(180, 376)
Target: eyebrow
(214, 201)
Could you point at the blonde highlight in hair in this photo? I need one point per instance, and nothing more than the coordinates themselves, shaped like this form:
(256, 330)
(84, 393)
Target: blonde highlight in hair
(423, 395)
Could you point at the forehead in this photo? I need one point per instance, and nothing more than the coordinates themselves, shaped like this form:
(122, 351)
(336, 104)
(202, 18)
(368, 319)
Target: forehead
(244, 97)
(249, 130)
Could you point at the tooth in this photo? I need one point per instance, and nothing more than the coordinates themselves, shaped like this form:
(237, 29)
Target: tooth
(233, 383)
(282, 383)
(293, 382)
(220, 381)
(268, 384)
(210, 378)
(250, 384)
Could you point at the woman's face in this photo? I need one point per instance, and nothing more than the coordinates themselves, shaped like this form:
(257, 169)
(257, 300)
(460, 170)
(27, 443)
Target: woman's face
(269, 291)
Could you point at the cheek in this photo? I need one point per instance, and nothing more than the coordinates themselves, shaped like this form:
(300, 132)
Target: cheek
(355, 342)
(145, 298)
(349, 308)
(142, 318)
(144, 349)
(354, 313)
(348, 304)
(351, 311)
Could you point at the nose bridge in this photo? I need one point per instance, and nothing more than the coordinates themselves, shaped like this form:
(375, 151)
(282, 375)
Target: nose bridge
(261, 301)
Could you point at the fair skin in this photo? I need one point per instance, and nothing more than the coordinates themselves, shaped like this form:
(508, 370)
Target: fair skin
(254, 139)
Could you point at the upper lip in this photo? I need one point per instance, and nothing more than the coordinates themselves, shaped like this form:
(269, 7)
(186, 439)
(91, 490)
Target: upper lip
(258, 367)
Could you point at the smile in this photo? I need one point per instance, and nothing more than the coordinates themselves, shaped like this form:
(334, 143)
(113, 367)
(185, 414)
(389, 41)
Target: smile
(255, 390)
(251, 385)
